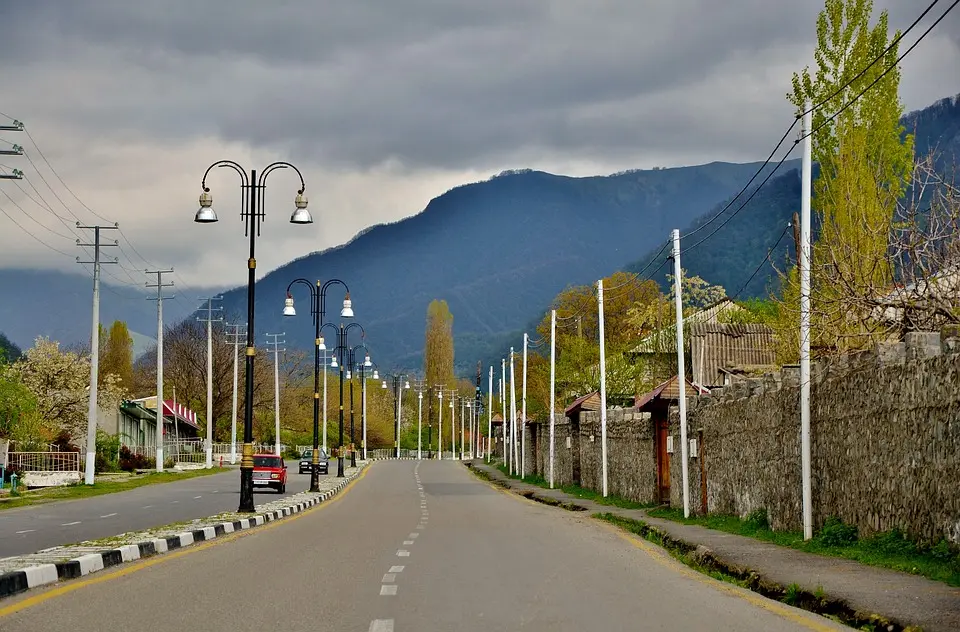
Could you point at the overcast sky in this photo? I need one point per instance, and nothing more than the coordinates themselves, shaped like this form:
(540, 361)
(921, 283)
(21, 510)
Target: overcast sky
(383, 104)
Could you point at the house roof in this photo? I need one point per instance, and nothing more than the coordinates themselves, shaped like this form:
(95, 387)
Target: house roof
(708, 315)
(669, 390)
(716, 346)
(590, 401)
(179, 412)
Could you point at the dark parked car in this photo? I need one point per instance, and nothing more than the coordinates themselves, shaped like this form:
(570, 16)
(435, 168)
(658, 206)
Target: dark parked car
(306, 459)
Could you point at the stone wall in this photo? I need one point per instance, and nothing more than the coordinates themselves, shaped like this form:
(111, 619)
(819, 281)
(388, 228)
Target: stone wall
(631, 467)
(885, 442)
(563, 453)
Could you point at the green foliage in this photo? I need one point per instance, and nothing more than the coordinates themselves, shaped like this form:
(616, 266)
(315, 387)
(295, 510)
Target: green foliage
(108, 448)
(19, 419)
(9, 352)
(755, 311)
(835, 533)
(438, 355)
(865, 161)
(117, 354)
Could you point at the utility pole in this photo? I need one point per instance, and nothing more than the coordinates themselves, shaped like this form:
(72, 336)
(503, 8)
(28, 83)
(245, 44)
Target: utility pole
(681, 374)
(275, 343)
(160, 416)
(236, 341)
(523, 410)
(603, 388)
(489, 413)
(514, 468)
(91, 452)
(553, 384)
(805, 466)
(210, 320)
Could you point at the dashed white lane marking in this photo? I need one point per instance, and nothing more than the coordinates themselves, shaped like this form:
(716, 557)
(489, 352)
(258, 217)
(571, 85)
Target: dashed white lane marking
(70, 524)
(397, 569)
(26, 531)
(421, 526)
(110, 515)
(402, 553)
(388, 578)
(381, 625)
(196, 497)
(388, 590)
(146, 506)
(414, 535)
(173, 502)
(407, 542)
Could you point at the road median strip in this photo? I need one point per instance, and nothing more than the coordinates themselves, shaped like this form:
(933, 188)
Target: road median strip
(21, 573)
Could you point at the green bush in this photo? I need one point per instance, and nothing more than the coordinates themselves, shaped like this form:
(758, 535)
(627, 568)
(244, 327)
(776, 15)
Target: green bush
(758, 520)
(108, 447)
(835, 533)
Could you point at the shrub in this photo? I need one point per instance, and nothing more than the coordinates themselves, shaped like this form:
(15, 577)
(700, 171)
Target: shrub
(835, 533)
(758, 520)
(107, 447)
(130, 462)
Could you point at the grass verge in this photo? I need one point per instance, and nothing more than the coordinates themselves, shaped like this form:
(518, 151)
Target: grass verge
(72, 492)
(575, 490)
(890, 549)
(702, 561)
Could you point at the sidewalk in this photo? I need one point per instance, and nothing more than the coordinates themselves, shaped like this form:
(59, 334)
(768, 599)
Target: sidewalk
(905, 600)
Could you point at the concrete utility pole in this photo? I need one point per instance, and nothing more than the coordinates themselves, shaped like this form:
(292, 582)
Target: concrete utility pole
(210, 320)
(91, 453)
(805, 466)
(553, 384)
(515, 467)
(603, 388)
(440, 425)
(234, 338)
(490, 414)
(681, 374)
(160, 416)
(523, 410)
(275, 343)
(503, 410)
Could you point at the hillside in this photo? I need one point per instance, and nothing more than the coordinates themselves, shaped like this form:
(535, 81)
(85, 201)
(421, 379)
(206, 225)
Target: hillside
(496, 251)
(45, 297)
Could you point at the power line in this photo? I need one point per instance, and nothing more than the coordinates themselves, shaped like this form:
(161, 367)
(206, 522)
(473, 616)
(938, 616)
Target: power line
(34, 237)
(864, 70)
(57, 175)
(764, 261)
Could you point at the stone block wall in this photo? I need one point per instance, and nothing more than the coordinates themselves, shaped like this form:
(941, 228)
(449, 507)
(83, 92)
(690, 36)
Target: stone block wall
(631, 465)
(885, 443)
(563, 455)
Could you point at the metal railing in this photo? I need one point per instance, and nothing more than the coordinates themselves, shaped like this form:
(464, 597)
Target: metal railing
(44, 461)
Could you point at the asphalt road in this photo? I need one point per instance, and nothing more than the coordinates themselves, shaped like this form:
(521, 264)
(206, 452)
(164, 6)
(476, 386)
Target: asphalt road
(31, 529)
(464, 557)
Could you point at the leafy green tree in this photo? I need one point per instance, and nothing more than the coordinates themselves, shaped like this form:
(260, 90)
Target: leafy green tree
(117, 355)
(865, 165)
(438, 351)
(9, 352)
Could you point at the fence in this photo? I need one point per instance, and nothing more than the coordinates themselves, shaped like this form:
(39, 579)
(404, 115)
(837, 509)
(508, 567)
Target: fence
(44, 461)
(407, 453)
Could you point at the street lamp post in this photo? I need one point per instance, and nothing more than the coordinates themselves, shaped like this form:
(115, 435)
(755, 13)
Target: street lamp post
(318, 308)
(342, 351)
(363, 366)
(352, 363)
(252, 202)
(400, 382)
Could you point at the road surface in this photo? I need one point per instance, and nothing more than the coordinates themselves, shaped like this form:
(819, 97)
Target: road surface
(463, 556)
(31, 529)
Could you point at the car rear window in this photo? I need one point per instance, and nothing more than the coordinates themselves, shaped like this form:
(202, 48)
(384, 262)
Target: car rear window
(267, 461)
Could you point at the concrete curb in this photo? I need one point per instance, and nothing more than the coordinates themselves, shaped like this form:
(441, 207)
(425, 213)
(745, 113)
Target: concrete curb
(18, 581)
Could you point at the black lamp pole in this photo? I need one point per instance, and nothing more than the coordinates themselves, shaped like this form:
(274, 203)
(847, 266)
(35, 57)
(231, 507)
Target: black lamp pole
(343, 351)
(354, 367)
(318, 309)
(252, 201)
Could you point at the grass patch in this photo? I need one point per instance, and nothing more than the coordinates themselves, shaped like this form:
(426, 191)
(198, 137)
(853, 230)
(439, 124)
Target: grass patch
(579, 492)
(793, 595)
(892, 549)
(72, 492)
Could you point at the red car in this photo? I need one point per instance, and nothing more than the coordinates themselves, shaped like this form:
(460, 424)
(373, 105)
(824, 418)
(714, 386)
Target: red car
(269, 470)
